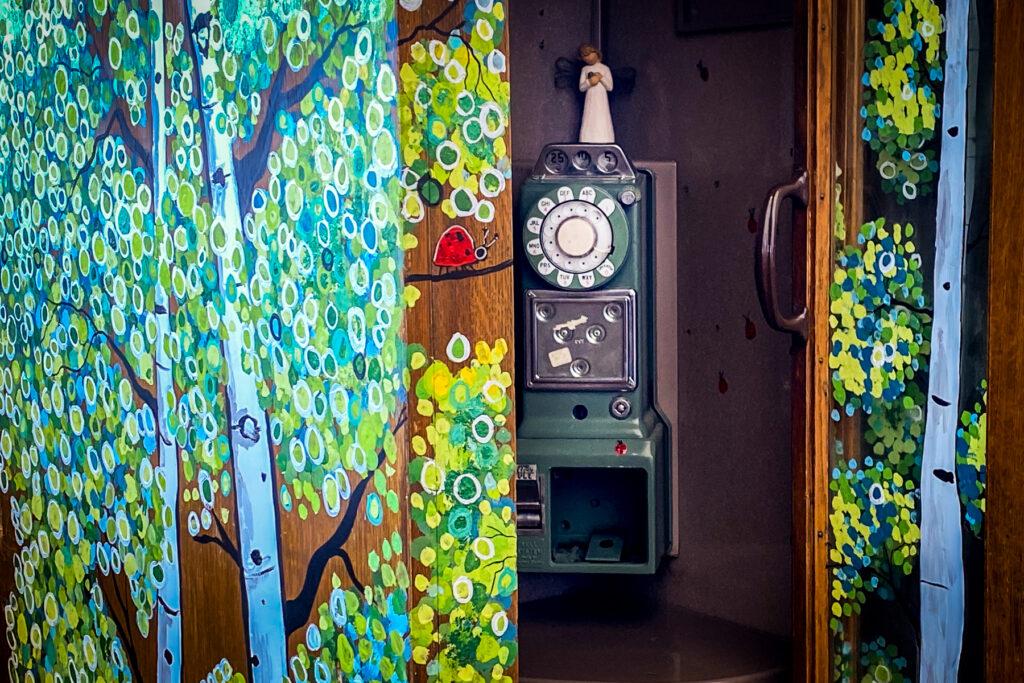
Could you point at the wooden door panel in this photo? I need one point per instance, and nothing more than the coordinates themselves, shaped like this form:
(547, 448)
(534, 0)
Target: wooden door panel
(457, 201)
(902, 315)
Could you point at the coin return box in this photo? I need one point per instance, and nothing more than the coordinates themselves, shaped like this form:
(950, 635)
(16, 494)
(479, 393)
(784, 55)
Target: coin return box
(598, 515)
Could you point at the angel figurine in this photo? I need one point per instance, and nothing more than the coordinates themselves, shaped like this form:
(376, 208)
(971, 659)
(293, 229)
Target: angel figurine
(596, 82)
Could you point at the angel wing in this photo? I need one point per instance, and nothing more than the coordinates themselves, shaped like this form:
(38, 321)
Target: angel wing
(567, 73)
(625, 79)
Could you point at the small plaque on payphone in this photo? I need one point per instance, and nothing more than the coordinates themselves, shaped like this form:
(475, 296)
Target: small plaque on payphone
(581, 340)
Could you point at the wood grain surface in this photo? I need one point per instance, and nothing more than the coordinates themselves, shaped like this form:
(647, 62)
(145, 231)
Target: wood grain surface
(1004, 540)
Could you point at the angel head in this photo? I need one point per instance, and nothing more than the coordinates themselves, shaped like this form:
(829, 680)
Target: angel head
(590, 54)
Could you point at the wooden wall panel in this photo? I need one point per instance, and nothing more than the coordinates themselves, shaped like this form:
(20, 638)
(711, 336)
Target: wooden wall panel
(455, 116)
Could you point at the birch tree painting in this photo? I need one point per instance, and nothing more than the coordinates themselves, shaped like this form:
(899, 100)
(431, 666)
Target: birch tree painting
(200, 305)
(909, 479)
(942, 571)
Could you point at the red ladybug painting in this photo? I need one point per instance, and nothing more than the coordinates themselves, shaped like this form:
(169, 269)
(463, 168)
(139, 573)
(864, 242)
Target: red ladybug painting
(456, 248)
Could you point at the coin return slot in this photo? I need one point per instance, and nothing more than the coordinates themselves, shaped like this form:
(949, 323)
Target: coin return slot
(529, 505)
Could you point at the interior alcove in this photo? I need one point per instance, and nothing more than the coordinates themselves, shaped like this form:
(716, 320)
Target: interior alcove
(721, 105)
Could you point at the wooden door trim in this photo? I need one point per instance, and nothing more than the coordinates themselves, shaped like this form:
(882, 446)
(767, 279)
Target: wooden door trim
(1004, 541)
(811, 470)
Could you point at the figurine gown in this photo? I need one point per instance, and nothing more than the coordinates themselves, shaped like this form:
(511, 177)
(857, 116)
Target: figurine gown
(597, 117)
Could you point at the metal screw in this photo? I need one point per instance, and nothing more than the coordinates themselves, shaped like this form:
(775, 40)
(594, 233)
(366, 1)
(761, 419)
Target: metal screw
(563, 334)
(595, 334)
(545, 311)
(628, 197)
(613, 312)
(620, 408)
(580, 367)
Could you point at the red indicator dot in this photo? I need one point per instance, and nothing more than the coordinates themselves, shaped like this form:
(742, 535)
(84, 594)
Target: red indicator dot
(620, 448)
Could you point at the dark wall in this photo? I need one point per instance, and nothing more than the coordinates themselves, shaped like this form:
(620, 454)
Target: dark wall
(721, 105)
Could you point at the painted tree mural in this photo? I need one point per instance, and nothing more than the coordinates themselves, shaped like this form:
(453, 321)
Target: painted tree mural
(84, 493)
(202, 298)
(456, 179)
(204, 210)
(909, 464)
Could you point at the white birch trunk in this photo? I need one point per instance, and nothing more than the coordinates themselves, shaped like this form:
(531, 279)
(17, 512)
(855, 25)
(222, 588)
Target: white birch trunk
(251, 452)
(941, 557)
(169, 597)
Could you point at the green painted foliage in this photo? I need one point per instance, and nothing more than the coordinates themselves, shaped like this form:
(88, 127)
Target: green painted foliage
(78, 428)
(902, 80)
(971, 469)
(878, 358)
(463, 510)
(454, 111)
(880, 329)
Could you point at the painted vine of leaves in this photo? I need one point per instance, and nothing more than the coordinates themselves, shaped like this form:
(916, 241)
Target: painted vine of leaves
(902, 79)
(453, 112)
(464, 514)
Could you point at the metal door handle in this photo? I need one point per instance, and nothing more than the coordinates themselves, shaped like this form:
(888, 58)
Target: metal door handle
(764, 265)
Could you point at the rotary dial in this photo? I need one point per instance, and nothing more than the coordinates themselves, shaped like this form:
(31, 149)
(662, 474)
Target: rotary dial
(576, 239)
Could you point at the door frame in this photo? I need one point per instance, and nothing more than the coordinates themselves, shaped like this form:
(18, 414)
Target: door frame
(812, 399)
(1004, 526)
(1004, 535)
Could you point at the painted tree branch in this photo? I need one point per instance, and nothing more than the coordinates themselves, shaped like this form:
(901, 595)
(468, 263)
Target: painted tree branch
(347, 561)
(458, 274)
(250, 168)
(920, 310)
(479, 73)
(88, 74)
(222, 541)
(434, 24)
(143, 392)
(120, 624)
(136, 148)
(116, 115)
(298, 609)
(128, 137)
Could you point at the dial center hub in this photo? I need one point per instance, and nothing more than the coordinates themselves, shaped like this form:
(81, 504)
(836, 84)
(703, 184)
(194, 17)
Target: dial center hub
(576, 237)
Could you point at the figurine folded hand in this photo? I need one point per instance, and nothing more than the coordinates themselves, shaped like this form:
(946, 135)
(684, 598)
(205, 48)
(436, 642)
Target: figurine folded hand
(594, 78)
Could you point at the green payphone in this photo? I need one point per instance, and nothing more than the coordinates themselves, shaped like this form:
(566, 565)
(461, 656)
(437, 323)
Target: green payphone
(594, 458)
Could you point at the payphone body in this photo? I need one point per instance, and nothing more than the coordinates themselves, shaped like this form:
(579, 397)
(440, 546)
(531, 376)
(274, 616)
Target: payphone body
(594, 474)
